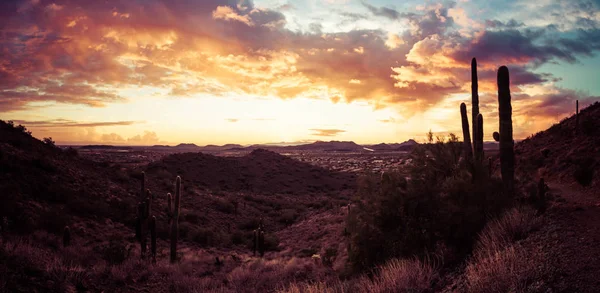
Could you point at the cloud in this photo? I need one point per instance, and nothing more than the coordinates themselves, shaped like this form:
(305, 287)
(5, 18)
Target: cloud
(71, 123)
(149, 137)
(511, 24)
(383, 11)
(227, 13)
(326, 132)
(112, 138)
(85, 53)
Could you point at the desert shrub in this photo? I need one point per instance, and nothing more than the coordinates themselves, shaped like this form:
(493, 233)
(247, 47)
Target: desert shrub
(329, 256)
(237, 237)
(271, 242)
(209, 237)
(584, 172)
(249, 224)
(288, 216)
(224, 205)
(441, 205)
(53, 221)
(48, 141)
(116, 252)
(588, 126)
(71, 152)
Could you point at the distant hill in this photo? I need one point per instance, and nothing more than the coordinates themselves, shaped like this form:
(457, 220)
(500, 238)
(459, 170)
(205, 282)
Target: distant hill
(212, 147)
(105, 147)
(405, 146)
(260, 171)
(328, 146)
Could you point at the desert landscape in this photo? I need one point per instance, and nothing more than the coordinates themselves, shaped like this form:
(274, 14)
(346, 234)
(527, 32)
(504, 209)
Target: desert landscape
(277, 158)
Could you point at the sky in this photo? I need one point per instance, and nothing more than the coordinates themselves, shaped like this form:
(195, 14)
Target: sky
(145, 72)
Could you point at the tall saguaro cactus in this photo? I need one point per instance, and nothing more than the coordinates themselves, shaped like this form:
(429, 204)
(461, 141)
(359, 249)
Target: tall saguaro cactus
(152, 226)
(169, 207)
(507, 152)
(141, 227)
(478, 136)
(175, 220)
(474, 98)
(465, 129)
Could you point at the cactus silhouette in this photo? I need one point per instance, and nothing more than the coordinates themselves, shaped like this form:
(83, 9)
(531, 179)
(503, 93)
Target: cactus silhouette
(143, 185)
(255, 241)
(507, 152)
(169, 207)
(465, 129)
(142, 226)
(261, 243)
(66, 236)
(477, 143)
(152, 226)
(478, 137)
(175, 220)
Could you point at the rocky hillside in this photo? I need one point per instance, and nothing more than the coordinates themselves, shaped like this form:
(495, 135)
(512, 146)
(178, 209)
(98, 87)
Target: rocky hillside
(562, 153)
(44, 187)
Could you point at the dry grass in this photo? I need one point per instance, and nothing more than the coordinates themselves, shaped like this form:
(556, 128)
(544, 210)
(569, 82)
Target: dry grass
(499, 264)
(512, 226)
(395, 276)
(401, 276)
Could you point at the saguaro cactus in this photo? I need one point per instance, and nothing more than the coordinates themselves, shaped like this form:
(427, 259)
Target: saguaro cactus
(142, 226)
(66, 236)
(507, 153)
(261, 243)
(143, 185)
(175, 220)
(148, 203)
(152, 226)
(169, 207)
(255, 241)
(478, 137)
(465, 129)
(475, 106)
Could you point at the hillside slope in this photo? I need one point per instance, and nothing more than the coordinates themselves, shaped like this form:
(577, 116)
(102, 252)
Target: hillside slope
(561, 154)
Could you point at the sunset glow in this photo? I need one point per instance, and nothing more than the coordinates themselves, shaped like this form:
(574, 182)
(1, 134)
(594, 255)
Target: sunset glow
(243, 71)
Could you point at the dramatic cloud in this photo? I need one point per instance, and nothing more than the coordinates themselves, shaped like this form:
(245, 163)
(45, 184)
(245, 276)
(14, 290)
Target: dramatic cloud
(326, 132)
(410, 58)
(383, 11)
(149, 137)
(71, 123)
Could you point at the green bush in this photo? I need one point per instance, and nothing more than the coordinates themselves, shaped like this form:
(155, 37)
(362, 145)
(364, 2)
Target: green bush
(441, 205)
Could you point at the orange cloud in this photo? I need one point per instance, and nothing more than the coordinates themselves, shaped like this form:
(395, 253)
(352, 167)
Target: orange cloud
(326, 132)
